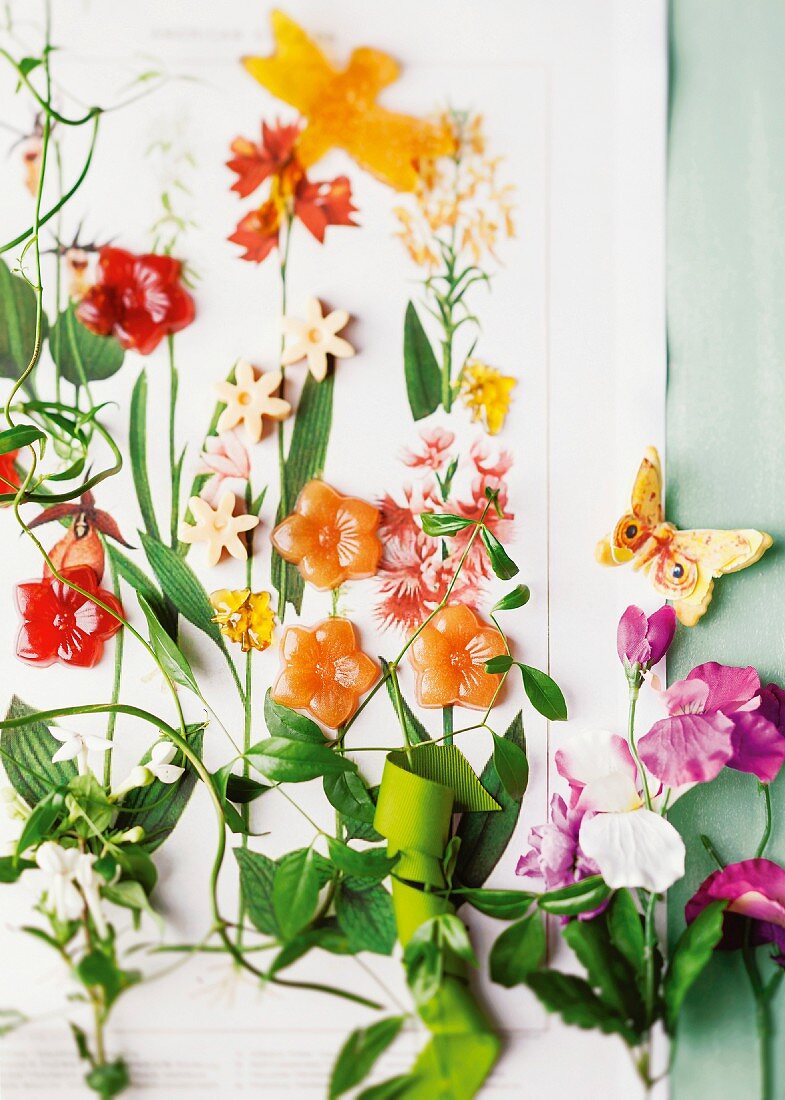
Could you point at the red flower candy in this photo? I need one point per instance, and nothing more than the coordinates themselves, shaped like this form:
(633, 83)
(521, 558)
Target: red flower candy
(60, 624)
(136, 299)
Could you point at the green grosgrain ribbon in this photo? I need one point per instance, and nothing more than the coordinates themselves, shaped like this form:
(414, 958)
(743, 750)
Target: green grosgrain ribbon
(414, 815)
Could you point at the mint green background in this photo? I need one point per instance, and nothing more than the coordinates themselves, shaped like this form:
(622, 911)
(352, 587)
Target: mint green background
(726, 443)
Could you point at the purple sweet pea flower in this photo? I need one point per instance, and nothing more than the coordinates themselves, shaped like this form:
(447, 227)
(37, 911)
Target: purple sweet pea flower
(755, 890)
(642, 640)
(555, 855)
(718, 717)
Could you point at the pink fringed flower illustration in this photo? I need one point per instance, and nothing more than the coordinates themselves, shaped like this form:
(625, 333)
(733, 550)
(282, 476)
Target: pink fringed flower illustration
(415, 570)
(226, 459)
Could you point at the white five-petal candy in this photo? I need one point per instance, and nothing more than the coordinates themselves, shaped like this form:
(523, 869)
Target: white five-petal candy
(218, 527)
(249, 399)
(315, 338)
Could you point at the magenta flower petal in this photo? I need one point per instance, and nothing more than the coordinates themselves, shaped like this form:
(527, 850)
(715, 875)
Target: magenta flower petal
(758, 746)
(662, 628)
(687, 748)
(631, 642)
(755, 889)
(772, 705)
(729, 687)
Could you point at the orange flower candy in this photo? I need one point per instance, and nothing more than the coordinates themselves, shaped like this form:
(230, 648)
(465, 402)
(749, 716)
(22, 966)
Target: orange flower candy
(448, 657)
(324, 671)
(330, 538)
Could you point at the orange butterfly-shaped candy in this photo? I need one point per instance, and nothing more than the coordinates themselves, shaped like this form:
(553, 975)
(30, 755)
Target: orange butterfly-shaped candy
(341, 109)
(681, 565)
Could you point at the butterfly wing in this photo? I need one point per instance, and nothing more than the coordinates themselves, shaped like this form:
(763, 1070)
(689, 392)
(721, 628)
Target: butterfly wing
(633, 530)
(684, 568)
(297, 72)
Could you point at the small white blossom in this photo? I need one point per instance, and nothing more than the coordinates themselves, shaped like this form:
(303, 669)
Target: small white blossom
(160, 764)
(77, 746)
(71, 882)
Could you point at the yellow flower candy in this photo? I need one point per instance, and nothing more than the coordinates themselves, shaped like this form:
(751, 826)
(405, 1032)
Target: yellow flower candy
(244, 616)
(486, 393)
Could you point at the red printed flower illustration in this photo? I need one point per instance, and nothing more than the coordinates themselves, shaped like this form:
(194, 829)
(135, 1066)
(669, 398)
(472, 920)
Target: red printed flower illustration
(436, 443)
(292, 194)
(137, 299)
(60, 624)
(81, 544)
(324, 671)
(448, 657)
(9, 478)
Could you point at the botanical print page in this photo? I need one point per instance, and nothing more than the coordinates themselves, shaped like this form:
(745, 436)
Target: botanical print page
(569, 100)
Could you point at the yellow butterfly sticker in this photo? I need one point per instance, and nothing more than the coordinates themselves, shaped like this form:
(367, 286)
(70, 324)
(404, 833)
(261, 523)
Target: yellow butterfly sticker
(681, 565)
(341, 109)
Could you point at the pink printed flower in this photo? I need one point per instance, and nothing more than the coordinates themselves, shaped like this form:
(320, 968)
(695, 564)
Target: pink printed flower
(400, 518)
(496, 469)
(644, 640)
(755, 891)
(554, 854)
(436, 443)
(717, 718)
(226, 459)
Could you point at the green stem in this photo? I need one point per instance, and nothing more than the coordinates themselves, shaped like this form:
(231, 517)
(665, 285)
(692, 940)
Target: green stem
(764, 840)
(763, 1016)
(173, 386)
(447, 724)
(283, 507)
(650, 942)
(634, 682)
(245, 810)
(119, 644)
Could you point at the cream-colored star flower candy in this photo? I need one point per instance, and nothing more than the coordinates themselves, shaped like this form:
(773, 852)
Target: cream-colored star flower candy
(315, 338)
(249, 399)
(218, 528)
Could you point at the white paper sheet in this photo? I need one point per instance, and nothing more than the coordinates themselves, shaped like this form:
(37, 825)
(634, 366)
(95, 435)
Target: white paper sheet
(574, 97)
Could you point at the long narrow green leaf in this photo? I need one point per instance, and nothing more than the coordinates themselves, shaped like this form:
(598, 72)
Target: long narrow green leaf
(27, 753)
(423, 377)
(137, 445)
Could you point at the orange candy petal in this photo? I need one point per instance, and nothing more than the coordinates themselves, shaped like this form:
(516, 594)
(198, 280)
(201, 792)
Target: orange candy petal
(329, 537)
(448, 657)
(324, 672)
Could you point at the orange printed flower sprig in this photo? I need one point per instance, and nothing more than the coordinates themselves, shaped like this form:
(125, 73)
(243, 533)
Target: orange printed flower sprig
(461, 211)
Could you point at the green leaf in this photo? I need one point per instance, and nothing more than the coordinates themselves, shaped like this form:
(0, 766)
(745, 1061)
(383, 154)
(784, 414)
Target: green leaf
(41, 821)
(607, 970)
(544, 694)
(423, 377)
(257, 874)
(447, 765)
(137, 447)
(454, 935)
(159, 806)
(512, 766)
(501, 562)
(373, 863)
(181, 585)
(577, 1003)
(579, 897)
(690, 956)
(167, 651)
(326, 936)
(390, 1089)
(416, 732)
(501, 663)
(27, 64)
(97, 969)
(625, 928)
(17, 323)
(518, 597)
(502, 904)
(109, 1079)
(367, 919)
(82, 356)
(27, 753)
(13, 439)
(89, 807)
(437, 525)
(518, 951)
(11, 868)
(360, 1052)
(136, 865)
(295, 892)
(284, 761)
(485, 836)
(307, 453)
(347, 792)
(241, 789)
(283, 722)
(141, 583)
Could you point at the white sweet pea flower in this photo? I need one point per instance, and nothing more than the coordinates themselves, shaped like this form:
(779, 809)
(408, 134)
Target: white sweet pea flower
(59, 865)
(632, 846)
(139, 776)
(77, 746)
(160, 763)
(90, 882)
